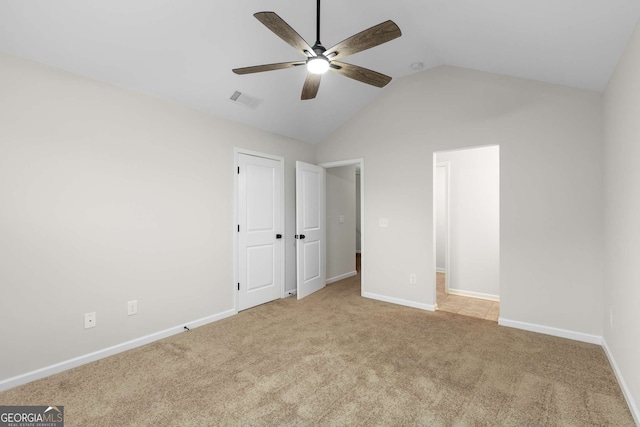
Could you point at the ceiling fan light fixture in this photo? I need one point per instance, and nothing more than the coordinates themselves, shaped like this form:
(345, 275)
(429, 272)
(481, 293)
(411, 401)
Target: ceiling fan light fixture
(318, 64)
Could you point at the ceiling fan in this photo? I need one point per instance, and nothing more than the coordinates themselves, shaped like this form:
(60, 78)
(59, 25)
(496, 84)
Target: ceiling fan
(320, 60)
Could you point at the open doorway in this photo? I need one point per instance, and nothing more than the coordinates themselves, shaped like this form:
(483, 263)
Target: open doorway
(466, 228)
(344, 216)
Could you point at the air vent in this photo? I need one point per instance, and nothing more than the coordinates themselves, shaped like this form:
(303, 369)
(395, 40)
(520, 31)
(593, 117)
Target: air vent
(245, 100)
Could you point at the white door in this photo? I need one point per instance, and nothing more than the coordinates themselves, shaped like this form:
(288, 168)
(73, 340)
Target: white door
(259, 230)
(310, 229)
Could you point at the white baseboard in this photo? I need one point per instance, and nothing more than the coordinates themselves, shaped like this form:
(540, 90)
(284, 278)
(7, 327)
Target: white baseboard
(358, 251)
(441, 270)
(548, 330)
(478, 295)
(399, 301)
(623, 385)
(37, 374)
(290, 293)
(591, 339)
(341, 277)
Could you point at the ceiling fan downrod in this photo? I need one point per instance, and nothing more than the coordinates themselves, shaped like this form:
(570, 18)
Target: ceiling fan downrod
(318, 48)
(318, 24)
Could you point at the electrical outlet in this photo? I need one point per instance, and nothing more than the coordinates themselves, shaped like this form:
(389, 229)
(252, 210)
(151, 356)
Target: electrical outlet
(132, 307)
(413, 279)
(383, 222)
(341, 219)
(90, 320)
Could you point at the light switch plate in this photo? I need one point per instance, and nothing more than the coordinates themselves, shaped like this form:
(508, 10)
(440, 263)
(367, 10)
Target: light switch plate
(90, 320)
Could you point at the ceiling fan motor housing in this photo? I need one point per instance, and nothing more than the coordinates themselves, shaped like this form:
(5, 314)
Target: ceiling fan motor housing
(318, 49)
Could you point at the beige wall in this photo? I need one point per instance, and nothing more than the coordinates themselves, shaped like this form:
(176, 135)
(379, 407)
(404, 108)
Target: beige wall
(341, 237)
(622, 227)
(550, 195)
(108, 196)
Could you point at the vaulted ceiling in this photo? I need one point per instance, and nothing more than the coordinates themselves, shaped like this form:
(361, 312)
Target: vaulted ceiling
(184, 50)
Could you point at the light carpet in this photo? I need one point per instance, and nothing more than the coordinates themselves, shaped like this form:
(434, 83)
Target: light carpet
(335, 358)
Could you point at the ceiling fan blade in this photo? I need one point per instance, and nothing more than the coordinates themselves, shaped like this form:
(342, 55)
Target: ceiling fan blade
(267, 67)
(364, 40)
(311, 86)
(361, 74)
(276, 24)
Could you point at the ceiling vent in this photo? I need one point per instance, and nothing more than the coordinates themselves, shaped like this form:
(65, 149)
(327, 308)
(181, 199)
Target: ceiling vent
(246, 100)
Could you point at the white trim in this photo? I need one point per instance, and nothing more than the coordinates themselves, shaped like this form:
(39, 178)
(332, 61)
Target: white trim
(236, 274)
(341, 276)
(109, 351)
(548, 330)
(633, 408)
(471, 294)
(399, 301)
(447, 254)
(340, 163)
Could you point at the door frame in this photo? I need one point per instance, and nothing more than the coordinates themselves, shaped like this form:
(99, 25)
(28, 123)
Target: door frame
(359, 162)
(234, 229)
(447, 252)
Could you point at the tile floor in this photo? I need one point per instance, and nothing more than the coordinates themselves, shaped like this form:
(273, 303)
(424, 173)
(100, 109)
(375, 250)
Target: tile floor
(474, 307)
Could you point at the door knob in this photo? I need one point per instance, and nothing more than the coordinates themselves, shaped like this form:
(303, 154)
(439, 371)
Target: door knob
(301, 236)
(278, 236)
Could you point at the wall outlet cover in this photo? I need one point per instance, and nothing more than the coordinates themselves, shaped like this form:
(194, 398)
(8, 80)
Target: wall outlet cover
(132, 307)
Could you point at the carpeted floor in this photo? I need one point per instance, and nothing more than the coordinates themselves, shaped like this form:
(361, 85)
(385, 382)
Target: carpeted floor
(335, 358)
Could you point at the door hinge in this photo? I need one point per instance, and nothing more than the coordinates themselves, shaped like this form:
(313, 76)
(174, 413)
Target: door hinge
(238, 169)
(238, 285)
(238, 228)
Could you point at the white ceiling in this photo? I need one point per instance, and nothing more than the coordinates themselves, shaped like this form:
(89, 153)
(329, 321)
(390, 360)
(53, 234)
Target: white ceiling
(184, 50)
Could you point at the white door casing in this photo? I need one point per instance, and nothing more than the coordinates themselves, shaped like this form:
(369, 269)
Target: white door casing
(441, 218)
(310, 228)
(259, 215)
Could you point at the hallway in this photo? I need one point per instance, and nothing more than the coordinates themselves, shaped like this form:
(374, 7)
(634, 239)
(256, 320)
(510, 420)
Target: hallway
(467, 306)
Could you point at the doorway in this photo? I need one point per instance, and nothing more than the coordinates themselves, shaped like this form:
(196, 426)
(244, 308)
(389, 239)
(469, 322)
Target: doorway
(345, 216)
(466, 229)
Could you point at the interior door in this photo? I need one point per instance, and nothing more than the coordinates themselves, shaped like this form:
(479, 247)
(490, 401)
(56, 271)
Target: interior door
(260, 272)
(310, 228)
